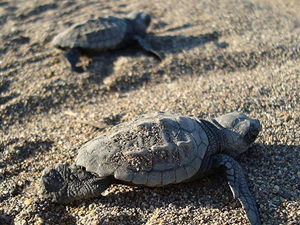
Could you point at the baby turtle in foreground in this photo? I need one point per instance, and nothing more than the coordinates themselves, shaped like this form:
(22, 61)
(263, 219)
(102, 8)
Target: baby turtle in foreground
(104, 33)
(155, 151)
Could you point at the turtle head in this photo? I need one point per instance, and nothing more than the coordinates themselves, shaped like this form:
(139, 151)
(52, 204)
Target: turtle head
(241, 131)
(140, 19)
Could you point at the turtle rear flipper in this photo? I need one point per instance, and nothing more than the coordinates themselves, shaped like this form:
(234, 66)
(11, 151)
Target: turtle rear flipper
(238, 186)
(147, 47)
(64, 184)
(72, 55)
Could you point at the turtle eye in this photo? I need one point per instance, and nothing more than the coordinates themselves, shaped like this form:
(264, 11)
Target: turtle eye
(251, 136)
(236, 122)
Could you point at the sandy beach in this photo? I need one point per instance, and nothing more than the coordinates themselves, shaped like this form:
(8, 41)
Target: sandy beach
(220, 56)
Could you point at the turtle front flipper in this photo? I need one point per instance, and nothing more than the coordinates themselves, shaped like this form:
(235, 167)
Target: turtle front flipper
(238, 185)
(147, 47)
(72, 55)
(64, 184)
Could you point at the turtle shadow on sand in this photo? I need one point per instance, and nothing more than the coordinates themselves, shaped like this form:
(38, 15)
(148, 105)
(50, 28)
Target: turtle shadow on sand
(101, 64)
(176, 43)
(193, 196)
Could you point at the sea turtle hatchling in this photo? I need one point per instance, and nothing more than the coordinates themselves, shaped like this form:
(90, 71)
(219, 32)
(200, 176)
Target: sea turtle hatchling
(104, 33)
(155, 151)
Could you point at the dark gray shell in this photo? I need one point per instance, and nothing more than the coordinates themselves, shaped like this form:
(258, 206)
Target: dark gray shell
(151, 151)
(96, 34)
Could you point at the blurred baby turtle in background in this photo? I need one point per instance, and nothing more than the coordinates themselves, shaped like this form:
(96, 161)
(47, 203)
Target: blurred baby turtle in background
(102, 34)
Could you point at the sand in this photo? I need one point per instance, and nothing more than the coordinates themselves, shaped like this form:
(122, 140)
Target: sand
(220, 56)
